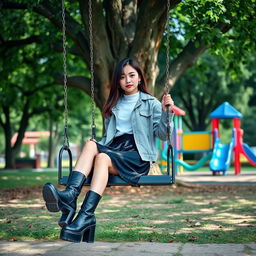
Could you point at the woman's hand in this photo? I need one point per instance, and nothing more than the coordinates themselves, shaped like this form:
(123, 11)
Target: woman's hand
(167, 100)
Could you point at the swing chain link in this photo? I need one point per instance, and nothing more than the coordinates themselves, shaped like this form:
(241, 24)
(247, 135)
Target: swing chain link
(166, 90)
(93, 126)
(166, 87)
(66, 139)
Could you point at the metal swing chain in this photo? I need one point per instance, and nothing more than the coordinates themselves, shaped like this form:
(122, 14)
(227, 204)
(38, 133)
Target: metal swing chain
(66, 140)
(93, 126)
(166, 91)
(166, 87)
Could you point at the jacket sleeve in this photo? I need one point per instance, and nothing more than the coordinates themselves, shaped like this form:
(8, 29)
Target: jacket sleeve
(160, 121)
(103, 139)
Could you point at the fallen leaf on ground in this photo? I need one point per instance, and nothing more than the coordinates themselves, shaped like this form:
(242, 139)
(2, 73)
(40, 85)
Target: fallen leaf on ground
(192, 238)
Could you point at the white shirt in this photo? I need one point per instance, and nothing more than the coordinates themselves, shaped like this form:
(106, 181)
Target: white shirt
(125, 107)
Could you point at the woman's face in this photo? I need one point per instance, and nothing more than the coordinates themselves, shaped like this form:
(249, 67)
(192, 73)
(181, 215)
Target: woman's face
(129, 80)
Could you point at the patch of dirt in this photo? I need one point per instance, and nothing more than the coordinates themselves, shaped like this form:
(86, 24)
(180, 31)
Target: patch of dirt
(179, 189)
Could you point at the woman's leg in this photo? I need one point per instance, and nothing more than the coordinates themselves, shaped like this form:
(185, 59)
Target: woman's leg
(83, 227)
(66, 200)
(102, 167)
(85, 161)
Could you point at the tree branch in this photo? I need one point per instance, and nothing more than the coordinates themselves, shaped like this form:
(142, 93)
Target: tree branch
(39, 110)
(18, 87)
(189, 56)
(145, 23)
(40, 88)
(114, 27)
(52, 13)
(13, 5)
(17, 43)
(31, 92)
(129, 20)
(81, 83)
(184, 60)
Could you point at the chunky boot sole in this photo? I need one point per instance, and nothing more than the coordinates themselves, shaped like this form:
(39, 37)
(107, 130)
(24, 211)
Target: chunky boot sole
(51, 198)
(86, 235)
(55, 204)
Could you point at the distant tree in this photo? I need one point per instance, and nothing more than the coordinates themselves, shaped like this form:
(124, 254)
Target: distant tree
(249, 116)
(249, 127)
(24, 79)
(206, 86)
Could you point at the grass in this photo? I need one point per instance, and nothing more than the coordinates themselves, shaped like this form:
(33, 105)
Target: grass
(202, 214)
(192, 217)
(27, 178)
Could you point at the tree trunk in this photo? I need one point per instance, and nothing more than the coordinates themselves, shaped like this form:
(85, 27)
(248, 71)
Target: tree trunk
(54, 140)
(50, 163)
(9, 159)
(9, 154)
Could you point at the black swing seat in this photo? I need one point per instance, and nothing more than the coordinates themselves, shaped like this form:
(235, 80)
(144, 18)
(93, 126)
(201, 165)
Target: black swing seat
(153, 180)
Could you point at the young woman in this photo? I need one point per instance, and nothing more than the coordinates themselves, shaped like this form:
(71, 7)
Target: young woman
(133, 119)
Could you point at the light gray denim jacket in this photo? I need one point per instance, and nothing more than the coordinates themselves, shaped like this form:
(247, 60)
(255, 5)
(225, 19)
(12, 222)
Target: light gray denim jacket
(148, 122)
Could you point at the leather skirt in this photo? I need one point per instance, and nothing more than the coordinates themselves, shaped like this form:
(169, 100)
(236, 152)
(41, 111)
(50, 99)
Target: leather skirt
(125, 158)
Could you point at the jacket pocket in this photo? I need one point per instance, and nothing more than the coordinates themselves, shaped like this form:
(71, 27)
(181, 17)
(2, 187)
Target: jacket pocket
(145, 113)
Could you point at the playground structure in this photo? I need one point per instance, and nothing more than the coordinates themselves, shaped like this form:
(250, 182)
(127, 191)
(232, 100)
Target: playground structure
(209, 143)
(31, 138)
(222, 153)
(187, 142)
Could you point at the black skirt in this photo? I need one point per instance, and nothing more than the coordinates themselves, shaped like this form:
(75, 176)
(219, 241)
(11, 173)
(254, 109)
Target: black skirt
(125, 158)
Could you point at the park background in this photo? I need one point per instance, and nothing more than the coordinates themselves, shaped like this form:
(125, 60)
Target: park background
(212, 60)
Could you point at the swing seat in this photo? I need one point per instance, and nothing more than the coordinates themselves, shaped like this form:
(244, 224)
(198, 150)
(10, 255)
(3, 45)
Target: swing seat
(153, 180)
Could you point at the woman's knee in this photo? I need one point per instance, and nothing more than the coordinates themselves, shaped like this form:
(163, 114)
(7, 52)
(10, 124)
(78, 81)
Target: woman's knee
(90, 144)
(103, 157)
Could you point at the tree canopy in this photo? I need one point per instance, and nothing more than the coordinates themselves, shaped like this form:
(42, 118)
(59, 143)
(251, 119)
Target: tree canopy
(212, 40)
(136, 28)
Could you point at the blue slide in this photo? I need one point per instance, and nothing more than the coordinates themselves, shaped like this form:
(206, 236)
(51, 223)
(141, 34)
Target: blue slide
(221, 156)
(250, 155)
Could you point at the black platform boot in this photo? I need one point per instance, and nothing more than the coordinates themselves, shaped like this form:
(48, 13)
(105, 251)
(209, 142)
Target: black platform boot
(65, 200)
(83, 227)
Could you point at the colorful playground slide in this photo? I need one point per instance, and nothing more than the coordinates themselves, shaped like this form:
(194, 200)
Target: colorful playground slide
(249, 154)
(194, 167)
(189, 167)
(221, 156)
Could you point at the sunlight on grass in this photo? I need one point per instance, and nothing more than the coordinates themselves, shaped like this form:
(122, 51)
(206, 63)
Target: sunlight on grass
(106, 211)
(208, 211)
(144, 214)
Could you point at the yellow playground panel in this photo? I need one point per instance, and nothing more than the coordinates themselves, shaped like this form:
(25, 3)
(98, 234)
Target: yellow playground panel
(196, 141)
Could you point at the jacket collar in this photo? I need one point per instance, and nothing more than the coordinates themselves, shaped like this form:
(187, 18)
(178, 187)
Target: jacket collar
(143, 96)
